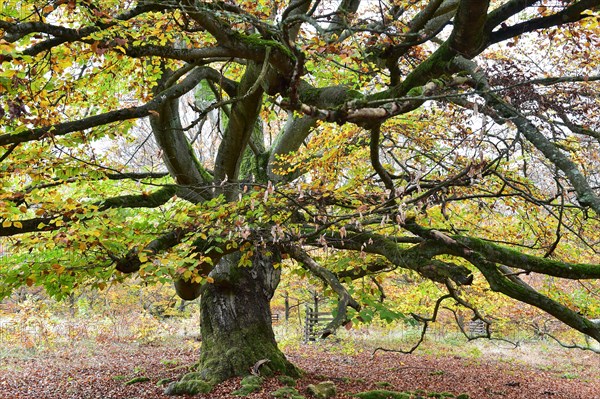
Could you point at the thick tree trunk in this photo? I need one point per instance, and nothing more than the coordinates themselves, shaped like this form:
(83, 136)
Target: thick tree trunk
(236, 320)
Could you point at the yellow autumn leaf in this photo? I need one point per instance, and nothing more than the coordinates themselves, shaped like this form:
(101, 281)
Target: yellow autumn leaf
(58, 269)
(18, 225)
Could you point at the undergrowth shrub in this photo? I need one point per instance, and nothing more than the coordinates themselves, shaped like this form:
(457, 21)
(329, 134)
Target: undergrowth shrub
(119, 314)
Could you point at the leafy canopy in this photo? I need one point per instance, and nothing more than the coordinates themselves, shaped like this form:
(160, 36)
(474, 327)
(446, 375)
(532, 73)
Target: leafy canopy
(454, 139)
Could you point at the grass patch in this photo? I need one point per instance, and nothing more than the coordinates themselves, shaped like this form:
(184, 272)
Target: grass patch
(570, 376)
(173, 362)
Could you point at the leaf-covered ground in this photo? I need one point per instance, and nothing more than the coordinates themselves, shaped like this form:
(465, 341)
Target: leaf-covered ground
(102, 371)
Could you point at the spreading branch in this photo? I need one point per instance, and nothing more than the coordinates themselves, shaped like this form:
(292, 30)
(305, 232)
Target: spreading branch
(61, 129)
(509, 284)
(54, 222)
(417, 257)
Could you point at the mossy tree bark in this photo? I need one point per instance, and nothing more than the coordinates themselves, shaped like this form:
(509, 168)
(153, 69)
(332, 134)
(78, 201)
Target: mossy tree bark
(236, 320)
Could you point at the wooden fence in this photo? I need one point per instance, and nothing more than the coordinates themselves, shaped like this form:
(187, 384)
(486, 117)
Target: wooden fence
(315, 323)
(476, 328)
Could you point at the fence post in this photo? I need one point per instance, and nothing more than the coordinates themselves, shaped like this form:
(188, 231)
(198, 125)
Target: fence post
(307, 326)
(286, 297)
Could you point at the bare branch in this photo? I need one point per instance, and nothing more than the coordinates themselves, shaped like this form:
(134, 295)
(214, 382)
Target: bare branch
(374, 154)
(573, 13)
(572, 345)
(585, 194)
(423, 320)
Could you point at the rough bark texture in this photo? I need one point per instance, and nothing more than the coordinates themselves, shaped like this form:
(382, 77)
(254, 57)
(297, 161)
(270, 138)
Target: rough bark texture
(236, 320)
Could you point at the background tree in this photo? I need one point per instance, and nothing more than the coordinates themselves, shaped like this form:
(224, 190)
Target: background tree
(454, 138)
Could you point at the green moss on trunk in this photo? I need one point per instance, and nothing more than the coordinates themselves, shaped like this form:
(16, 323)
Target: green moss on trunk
(188, 387)
(236, 321)
(235, 355)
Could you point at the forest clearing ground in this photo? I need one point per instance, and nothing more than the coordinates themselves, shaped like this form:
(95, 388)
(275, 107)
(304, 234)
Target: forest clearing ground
(100, 370)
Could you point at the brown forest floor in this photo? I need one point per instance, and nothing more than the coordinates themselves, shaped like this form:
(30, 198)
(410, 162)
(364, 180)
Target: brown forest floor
(100, 372)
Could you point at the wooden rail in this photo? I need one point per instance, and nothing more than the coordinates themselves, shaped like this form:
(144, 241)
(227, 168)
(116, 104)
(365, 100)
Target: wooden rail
(476, 328)
(314, 323)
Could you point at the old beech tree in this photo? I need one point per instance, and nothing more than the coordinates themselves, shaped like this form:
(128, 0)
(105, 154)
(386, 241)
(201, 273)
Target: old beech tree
(213, 143)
